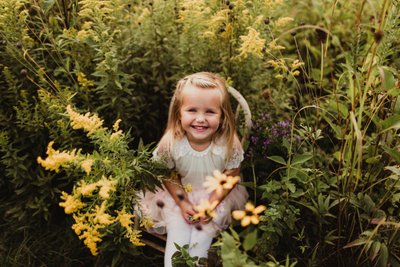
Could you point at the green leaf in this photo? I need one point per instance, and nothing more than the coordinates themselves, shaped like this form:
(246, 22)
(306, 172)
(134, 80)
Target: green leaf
(250, 240)
(291, 187)
(278, 159)
(394, 92)
(235, 234)
(393, 122)
(341, 108)
(357, 242)
(376, 246)
(48, 4)
(298, 159)
(389, 81)
(393, 153)
(383, 256)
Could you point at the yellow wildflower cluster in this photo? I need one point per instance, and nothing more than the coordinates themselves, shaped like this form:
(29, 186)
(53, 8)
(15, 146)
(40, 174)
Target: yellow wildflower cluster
(13, 19)
(117, 132)
(249, 215)
(218, 22)
(271, 4)
(87, 231)
(146, 222)
(88, 225)
(71, 203)
(220, 182)
(86, 189)
(274, 46)
(87, 164)
(83, 81)
(55, 159)
(284, 69)
(251, 43)
(294, 67)
(282, 22)
(278, 64)
(89, 123)
(191, 10)
(125, 220)
(105, 186)
(92, 8)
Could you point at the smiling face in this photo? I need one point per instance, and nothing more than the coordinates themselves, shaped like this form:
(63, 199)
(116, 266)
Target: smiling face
(200, 115)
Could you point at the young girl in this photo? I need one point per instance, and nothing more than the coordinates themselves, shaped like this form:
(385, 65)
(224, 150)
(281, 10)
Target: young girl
(200, 138)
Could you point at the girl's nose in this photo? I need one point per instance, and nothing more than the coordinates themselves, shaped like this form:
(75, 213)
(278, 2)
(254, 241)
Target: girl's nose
(200, 118)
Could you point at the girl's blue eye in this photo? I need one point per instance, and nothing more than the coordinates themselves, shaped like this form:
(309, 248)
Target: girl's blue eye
(210, 111)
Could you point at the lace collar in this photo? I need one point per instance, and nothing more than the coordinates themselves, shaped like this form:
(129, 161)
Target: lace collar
(182, 147)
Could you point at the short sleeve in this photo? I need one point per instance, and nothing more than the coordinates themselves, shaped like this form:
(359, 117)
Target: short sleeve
(236, 157)
(164, 157)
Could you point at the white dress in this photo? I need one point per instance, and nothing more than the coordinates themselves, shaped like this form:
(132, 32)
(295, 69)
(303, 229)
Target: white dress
(194, 166)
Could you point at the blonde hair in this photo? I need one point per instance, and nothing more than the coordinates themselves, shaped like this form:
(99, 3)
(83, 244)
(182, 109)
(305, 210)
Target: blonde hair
(207, 81)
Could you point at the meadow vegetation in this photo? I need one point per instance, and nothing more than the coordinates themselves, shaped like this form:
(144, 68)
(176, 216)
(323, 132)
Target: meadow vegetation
(84, 93)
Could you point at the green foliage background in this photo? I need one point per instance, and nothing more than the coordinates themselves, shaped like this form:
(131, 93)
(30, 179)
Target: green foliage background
(330, 183)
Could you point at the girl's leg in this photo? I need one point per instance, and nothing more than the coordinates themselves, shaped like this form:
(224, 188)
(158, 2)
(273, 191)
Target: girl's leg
(178, 231)
(200, 241)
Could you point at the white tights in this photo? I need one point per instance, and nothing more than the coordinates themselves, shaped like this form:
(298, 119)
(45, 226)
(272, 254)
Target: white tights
(182, 233)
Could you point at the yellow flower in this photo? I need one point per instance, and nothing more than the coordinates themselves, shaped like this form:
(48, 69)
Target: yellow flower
(87, 25)
(79, 226)
(86, 189)
(188, 188)
(282, 22)
(219, 182)
(106, 186)
(251, 43)
(134, 237)
(125, 219)
(87, 165)
(273, 46)
(81, 36)
(147, 222)
(297, 63)
(249, 215)
(115, 135)
(295, 73)
(86, 122)
(91, 237)
(116, 125)
(71, 204)
(82, 80)
(101, 217)
(205, 209)
(55, 158)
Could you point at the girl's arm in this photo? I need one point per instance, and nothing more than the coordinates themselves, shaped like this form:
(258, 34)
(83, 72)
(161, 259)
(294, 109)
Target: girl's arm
(175, 188)
(173, 184)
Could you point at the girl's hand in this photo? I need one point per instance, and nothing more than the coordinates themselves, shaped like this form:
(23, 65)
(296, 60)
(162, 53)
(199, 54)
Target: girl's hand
(187, 211)
(205, 219)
